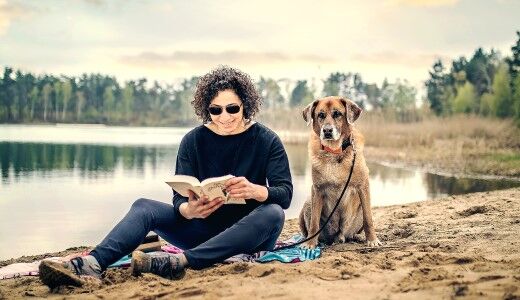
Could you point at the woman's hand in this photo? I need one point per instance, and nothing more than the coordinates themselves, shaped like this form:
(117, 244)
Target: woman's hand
(199, 208)
(240, 187)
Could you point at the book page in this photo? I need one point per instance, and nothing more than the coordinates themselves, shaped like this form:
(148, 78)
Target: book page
(182, 183)
(222, 179)
(215, 190)
(215, 187)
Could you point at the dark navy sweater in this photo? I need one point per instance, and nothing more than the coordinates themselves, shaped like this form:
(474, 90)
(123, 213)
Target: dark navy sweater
(257, 154)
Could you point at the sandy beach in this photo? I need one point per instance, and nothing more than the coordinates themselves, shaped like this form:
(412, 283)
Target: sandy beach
(461, 246)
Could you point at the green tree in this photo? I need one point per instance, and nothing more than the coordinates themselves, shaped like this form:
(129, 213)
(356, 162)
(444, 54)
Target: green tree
(480, 71)
(80, 104)
(183, 98)
(7, 95)
(516, 100)
(271, 93)
(128, 101)
(404, 98)
(58, 91)
(502, 100)
(334, 84)
(400, 101)
(34, 99)
(514, 61)
(108, 103)
(373, 94)
(514, 71)
(463, 102)
(487, 105)
(46, 94)
(24, 83)
(331, 85)
(300, 93)
(436, 88)
(66, 89)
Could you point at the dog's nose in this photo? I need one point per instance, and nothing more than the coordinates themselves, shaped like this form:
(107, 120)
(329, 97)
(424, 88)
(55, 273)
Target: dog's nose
(327, 133)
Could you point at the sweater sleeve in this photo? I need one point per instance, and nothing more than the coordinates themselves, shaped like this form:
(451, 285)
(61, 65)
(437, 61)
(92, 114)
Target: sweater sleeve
(183, 166)
(278, 175)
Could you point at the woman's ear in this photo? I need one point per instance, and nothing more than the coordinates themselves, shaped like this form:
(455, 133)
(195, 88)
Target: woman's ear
(352, 110)
(308, 112)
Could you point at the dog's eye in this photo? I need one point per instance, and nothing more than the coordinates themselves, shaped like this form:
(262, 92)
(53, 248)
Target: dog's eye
(336, 114)
(321, 115)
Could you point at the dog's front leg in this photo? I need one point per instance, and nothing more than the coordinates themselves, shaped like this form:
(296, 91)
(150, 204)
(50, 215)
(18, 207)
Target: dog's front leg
(368, 223)
(314, 222)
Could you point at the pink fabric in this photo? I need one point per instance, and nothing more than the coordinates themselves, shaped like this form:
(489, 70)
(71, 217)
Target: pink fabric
(171, 249)
(31, 269)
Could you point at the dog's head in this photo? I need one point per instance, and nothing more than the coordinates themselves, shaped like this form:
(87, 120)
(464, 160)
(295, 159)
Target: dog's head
(331, 118)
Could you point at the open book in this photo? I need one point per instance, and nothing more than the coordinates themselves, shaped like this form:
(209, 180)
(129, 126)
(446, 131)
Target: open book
(212, 187)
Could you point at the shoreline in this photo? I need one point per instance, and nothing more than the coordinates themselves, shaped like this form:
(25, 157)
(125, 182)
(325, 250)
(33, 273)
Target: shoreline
(441, 156)
(441, 172)
(463, 245)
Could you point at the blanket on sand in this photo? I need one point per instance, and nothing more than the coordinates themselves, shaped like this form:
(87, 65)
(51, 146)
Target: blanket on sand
(290, 255)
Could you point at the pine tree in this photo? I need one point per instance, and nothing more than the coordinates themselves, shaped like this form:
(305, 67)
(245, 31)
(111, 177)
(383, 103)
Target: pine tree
(300, 93)
(436, 88)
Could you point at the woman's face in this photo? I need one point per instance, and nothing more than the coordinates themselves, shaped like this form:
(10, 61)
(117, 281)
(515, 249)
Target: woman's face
(226, 102)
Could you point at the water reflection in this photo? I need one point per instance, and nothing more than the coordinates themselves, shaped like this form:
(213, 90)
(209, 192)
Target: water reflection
(438, 185)
(55, 196)
(20, 159)
(389, 174)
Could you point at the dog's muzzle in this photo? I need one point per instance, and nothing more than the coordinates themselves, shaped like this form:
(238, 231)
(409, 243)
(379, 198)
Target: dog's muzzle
(327, 132)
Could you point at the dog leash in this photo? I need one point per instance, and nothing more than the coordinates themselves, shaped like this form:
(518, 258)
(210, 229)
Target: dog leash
(333, 210)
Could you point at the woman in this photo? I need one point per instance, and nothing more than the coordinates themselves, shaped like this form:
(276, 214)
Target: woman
(228, 142)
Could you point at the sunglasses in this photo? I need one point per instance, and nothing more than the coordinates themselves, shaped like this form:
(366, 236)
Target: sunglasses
(230, 109)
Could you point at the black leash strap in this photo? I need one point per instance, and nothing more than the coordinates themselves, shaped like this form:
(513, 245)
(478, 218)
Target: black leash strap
(333, 210)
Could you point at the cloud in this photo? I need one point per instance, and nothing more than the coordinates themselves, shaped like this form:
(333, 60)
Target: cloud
(9, 13)
(203, 58)
(398, 58)
(95, 2)
(423, 3)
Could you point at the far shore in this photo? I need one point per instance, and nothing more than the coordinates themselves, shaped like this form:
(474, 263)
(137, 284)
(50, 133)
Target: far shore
(460, 146)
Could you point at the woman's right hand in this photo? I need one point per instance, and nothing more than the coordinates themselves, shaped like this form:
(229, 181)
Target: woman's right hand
(199, 207)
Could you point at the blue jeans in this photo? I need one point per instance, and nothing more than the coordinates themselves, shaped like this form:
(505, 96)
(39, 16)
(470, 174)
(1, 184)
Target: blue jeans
(204, 244)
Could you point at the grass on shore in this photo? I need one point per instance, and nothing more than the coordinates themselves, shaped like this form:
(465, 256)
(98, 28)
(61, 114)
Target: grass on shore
(459, 144)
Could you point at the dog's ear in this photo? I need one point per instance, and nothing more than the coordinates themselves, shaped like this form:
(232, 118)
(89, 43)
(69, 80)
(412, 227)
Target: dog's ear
(352, 110)
(308, 112)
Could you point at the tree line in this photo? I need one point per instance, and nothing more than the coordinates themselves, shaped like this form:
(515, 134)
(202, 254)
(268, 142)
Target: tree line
(97, 98)
(486, 85)
(91, 98)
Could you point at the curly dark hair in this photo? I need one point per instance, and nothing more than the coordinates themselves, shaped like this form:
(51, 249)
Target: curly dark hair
(226, 78)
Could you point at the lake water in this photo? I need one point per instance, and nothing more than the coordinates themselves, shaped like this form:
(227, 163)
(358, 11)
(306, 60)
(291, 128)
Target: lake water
(68, 185)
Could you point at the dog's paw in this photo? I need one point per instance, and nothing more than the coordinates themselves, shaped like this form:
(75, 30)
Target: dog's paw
(374, 243)
(340, 239)
(309, 245)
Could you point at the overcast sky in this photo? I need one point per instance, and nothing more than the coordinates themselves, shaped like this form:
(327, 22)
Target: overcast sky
(168, 40)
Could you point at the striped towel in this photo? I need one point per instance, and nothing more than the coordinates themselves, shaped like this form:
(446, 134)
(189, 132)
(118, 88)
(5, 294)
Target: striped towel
(289, 255)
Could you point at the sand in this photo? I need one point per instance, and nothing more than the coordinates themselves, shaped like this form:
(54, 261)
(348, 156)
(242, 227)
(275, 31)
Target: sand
(460, 246)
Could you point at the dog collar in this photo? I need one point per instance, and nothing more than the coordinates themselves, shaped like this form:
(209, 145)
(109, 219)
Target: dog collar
(344, 145)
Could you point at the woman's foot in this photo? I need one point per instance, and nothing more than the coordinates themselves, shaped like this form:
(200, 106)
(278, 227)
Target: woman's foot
(166, 265)
(74, 272)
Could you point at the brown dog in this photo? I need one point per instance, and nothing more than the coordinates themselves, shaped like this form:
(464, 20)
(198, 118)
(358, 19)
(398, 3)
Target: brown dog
(331, 148)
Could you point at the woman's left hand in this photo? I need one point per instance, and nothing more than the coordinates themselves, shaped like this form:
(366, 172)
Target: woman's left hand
(240, 187)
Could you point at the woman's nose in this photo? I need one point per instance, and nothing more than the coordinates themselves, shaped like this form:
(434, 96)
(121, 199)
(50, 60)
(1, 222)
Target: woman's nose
(225, 116)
